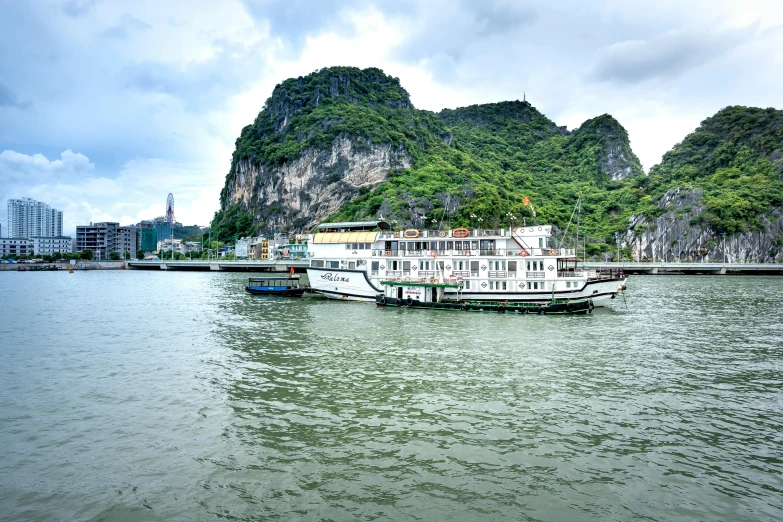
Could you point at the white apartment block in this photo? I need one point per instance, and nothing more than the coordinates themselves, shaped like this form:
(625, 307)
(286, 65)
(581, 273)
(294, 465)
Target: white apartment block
(15, 246)
(51, 245)
(30, 218)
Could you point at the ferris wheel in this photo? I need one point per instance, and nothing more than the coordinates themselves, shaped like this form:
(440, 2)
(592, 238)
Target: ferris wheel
(170, 209)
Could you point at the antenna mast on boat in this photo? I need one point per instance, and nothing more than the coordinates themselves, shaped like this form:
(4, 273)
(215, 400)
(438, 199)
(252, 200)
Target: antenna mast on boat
(578, 219)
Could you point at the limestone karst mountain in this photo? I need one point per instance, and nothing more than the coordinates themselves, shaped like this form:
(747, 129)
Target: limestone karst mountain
(346, 144)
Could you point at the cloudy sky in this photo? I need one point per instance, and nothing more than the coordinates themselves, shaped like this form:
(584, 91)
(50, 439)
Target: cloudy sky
(106, 106)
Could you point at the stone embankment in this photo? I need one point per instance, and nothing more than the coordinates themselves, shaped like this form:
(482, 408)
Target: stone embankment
(80, 265)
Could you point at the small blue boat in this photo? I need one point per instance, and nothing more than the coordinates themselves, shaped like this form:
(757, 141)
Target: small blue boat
(281, 286)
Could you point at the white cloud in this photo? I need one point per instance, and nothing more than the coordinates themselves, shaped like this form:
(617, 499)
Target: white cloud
(138, 192)
(16, 167)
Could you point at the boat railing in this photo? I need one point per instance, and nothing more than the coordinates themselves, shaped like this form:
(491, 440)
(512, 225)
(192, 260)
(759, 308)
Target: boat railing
(498, 274)
(536, 275)
(606, 273)
(442, 234)
(540, 252)
(426, 273)
(460, 273)
(570, 273)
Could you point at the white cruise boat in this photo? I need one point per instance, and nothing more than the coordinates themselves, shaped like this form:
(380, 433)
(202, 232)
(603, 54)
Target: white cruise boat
(350, 260)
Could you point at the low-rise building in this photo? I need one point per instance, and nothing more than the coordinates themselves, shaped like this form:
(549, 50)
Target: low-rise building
(15, 246)
(186, 247)
(100, 238)
(51, 245)
(258, 249)
(297, 251)
(127, 241)
(241, 247)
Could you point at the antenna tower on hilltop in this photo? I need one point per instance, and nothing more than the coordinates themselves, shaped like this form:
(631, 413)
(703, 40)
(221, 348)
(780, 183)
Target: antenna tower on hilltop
(170, 209)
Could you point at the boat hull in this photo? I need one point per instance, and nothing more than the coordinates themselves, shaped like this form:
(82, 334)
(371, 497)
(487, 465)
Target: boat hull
(355, 285)
(582, 307)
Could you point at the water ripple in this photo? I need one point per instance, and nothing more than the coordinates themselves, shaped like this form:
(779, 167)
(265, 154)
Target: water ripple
(176, 396)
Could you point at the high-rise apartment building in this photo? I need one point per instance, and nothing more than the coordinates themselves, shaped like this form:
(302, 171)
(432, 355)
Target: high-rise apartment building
(30, 218)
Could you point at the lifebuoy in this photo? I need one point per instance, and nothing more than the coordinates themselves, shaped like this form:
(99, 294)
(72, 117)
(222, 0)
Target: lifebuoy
(524, 253)
(553, 252)
(570, 307)
(397, 234)
(388, 252)
(501, 309)
(411, 233)
(383, 300)
(540, 310)
(467, 252)
(523, 311)
(434, 254)
(464, 308)
(460, 232)
(409, 301)
(442, 233)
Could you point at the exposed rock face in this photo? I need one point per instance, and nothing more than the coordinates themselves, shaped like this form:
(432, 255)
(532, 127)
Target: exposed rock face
(672, 237)
(298, 194)
(617, 159)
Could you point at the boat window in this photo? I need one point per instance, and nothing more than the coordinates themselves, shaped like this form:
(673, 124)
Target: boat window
(512, 266)
(375, 266)
(333, 264)
(347, 246)
(352, 265)
(475, 245)
(528, 266)
(406, 266)
(467, 285)
(474, 268)
(441, 245)
(540, 242)
(449, 245)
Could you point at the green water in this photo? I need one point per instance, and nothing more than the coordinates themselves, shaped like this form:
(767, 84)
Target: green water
(176, 396)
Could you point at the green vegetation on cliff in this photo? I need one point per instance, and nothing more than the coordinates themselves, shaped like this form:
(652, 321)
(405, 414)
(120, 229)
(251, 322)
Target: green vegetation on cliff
(734, 157)
(483, 160)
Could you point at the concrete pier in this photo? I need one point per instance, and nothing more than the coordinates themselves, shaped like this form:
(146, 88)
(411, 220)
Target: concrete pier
(692, 268)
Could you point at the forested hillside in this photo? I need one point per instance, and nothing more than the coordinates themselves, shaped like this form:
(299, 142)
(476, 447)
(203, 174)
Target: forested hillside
(347, 144)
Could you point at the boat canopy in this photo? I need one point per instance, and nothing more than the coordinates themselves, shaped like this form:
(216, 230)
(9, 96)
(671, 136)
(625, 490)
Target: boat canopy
(352, 226)
(345, 237)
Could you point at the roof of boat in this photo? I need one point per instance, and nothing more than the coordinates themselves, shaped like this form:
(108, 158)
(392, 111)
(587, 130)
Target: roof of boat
(255, 279)
(353, 226)
(344, 237)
